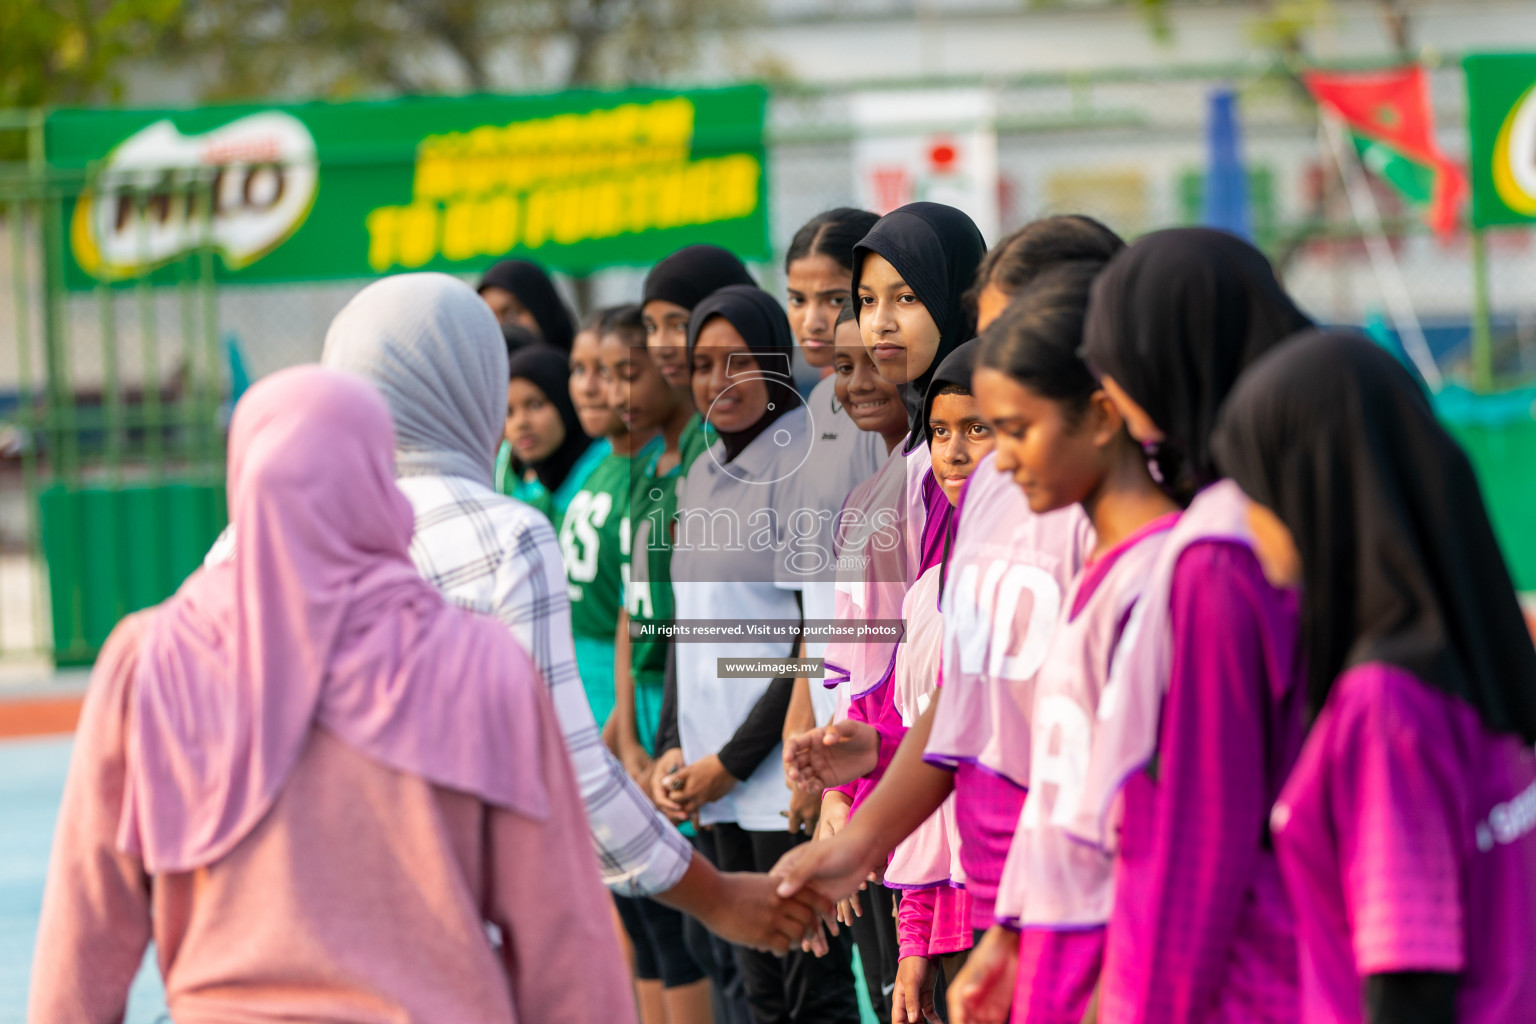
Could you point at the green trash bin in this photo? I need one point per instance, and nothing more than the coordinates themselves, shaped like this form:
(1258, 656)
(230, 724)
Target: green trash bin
(113, 550)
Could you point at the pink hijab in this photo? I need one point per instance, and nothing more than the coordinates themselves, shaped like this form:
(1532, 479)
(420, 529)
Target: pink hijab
(319, 621)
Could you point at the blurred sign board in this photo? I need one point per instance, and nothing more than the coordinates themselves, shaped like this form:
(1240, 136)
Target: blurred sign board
(577, 181)
(934, 145)
(1501, 99)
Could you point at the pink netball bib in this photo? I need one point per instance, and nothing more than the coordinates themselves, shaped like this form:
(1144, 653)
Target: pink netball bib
(1007, 574)
(1130, 708)
(1051, 879)
(931, 854)
(879, 553)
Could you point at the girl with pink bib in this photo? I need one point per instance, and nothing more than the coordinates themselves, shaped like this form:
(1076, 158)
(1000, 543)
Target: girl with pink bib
(910, 275)
(970, 715)
(1202, 718)
(1406, 833)
(934, 916)
(1063, 443)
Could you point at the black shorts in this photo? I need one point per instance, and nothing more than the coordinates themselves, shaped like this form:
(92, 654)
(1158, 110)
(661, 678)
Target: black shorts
(656, 932)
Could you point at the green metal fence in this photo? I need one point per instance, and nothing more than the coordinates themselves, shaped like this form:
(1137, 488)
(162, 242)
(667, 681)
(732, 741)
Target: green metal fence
(112, 472)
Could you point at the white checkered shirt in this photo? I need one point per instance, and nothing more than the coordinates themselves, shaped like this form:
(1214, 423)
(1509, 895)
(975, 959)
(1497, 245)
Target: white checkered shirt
(495, 555)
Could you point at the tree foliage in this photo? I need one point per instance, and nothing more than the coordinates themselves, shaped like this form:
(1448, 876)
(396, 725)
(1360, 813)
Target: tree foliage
(74, 51)
(338, 48)
(80, 51)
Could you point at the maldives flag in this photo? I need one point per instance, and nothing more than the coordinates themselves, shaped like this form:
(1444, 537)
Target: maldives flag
(1393, 126)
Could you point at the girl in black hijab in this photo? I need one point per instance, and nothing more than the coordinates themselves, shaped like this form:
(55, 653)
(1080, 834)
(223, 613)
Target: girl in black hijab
(921, 257)
(1400, 561)
(1407, 831)
(672, 289)
(740, 347)
(960, 428)
(540, 386)
(519, 337)
(1173, 321)
(519, 292)
(760, 321)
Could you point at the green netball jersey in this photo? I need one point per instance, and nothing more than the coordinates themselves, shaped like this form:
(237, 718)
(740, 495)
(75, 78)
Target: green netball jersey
(532, 492)
(648, 595)
(594, 542)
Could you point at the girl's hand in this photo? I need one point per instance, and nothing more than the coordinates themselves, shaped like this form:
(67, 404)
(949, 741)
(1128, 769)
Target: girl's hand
(665, 767)
(982, 992)
(833, 865)
(613, 735)
(834, 818)
(702, 782)
(848, 907)
(834, 815)
(635, 761)
(823, 758)
(804, 811)
(912, 998)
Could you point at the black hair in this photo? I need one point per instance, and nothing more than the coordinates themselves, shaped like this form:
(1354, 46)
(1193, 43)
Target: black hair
(593, 321)
(536, 293)
(519, 337)
(833, 233)
(847, 313)
(1017, 260)
(1036, 339)
(952, 388)
(626, 322)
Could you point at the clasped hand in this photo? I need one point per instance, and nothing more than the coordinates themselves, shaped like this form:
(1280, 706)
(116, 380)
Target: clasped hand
(829, 756)
(681, 789)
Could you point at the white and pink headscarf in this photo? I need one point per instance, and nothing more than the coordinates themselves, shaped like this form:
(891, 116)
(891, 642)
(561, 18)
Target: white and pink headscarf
(319, 620)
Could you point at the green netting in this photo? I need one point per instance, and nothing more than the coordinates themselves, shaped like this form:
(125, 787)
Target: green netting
(1498, 432)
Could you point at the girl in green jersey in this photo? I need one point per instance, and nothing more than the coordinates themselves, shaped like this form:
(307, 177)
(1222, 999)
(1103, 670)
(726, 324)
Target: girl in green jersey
(544, 434)
(671, 985)
(647, 403)
(594, 529)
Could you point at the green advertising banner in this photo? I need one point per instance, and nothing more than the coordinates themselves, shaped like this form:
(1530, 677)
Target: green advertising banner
(1501, 113)
(576, 181)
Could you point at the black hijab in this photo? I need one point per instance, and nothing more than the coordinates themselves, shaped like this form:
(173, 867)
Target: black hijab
(533, 288)
(1174, 319)
(519, 337)
(936, 250)
(956, 368)
(761, 322)
(550, 371)
(1400, 563)
(692, 273)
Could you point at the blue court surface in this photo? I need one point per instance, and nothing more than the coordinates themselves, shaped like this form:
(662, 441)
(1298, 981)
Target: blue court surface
(31, 782)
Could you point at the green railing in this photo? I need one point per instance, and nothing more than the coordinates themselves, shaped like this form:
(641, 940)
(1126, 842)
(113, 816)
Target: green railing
(115, 464)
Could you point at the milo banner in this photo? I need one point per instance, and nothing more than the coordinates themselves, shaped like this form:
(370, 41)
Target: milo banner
(1501, 111)
(577, 181)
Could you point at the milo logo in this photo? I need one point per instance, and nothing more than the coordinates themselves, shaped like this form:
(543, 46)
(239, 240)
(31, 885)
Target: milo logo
(243, 188)
(1514, 156)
